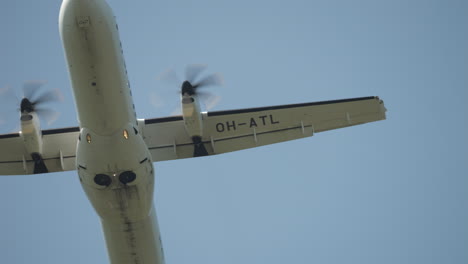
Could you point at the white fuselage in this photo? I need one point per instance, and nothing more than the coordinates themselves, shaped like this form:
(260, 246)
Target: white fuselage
(114, 165)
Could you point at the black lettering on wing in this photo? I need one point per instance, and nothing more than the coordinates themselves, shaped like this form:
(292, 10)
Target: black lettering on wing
(263, 119)
(252, 122)
(231, 125)
(272, 121)
(220, 127)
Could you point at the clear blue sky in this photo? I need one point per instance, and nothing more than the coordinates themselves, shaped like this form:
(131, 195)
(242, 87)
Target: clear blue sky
(387, 192)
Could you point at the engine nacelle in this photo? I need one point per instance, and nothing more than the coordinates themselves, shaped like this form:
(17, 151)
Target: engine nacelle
(193, 120)
(32, 137)
(192, 115)
(31, 132)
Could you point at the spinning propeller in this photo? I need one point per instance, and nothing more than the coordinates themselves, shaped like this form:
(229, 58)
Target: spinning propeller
(35, 98)
(191, 86)
(193, 83)
(32, 106)
(190, 91)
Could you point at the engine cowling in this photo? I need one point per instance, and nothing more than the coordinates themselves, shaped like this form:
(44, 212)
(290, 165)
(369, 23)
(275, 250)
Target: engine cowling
(193, 121)
(32, 137)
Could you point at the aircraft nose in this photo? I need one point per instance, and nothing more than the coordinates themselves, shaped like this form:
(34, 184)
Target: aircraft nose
(79, 5)
(80, 12)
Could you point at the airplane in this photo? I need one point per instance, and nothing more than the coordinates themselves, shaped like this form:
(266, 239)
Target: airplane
(113, 151)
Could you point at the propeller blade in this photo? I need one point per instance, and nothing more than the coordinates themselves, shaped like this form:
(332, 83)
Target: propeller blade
(169, 76)
(9, 103)
(209, 99)
(177, 111)
(30, 88)
(210, 80)
(212, 101)
(192, 71)
(204, 95)
(47, 114)
(32, 101)
(4, 90)
(156, 100)
(49, 96)
(8, 97)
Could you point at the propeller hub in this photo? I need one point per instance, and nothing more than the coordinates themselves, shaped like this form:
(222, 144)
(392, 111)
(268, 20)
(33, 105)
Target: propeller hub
(188, 88)
(26, 106)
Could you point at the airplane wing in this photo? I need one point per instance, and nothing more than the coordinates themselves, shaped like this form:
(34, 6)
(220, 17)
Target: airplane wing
(59, 148)
(226, 131)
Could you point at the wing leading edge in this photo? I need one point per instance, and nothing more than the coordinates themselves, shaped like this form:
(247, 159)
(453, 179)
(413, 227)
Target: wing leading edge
(232, 130)
(223, 131)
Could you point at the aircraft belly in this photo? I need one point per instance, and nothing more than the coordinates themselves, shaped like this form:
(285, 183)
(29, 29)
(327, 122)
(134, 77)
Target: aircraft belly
(96, 65)
(125, 206)
(134, 242)
(113, 162)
